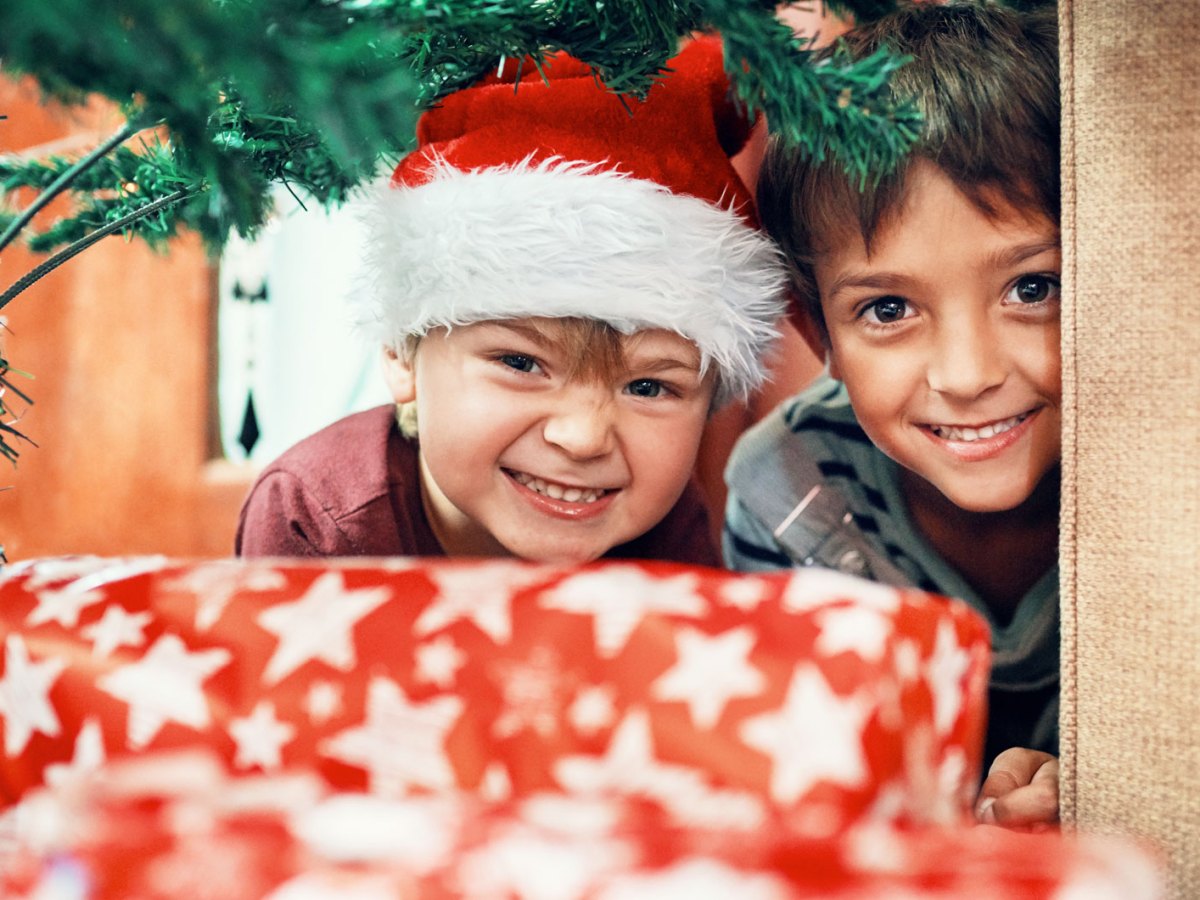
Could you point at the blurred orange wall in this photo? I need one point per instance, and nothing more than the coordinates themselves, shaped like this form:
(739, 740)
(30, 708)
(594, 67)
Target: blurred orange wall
(120, 343)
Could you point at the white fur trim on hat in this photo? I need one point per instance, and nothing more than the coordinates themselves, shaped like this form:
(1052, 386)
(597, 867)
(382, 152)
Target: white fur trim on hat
(561, 239)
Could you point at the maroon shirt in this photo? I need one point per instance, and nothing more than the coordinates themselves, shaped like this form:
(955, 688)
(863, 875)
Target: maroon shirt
(353, 489)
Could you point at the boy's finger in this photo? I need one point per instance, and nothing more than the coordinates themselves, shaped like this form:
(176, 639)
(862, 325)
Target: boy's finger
(1014, 768)
(1010, 803)
(1035, 804)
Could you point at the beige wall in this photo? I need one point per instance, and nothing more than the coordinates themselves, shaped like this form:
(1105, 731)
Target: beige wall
(1131, 510)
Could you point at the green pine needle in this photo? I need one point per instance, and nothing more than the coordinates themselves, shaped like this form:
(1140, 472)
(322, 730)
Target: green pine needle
(314, 93)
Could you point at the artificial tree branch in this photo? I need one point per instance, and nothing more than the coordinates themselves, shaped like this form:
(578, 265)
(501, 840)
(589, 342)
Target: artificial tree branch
(83, 243)
(124, 133)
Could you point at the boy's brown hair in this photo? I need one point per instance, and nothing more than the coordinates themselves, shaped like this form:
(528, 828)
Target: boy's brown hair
(985, 79)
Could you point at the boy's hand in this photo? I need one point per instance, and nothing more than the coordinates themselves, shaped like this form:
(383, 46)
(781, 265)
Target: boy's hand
(1021, 790)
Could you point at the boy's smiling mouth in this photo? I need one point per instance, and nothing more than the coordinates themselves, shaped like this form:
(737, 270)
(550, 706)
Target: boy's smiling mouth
(970, 433)
(556, 491)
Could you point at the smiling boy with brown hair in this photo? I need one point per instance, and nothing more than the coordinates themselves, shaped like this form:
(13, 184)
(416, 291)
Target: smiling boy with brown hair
(929, 454)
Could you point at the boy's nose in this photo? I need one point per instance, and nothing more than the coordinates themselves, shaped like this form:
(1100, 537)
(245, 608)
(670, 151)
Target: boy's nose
(967, 360)
(581, 426)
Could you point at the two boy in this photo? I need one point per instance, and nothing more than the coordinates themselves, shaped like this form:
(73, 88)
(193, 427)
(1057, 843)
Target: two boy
(564, 354)
(929, 453)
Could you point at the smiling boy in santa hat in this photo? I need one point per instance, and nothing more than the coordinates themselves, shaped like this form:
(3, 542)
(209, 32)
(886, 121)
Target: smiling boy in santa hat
(565, 286)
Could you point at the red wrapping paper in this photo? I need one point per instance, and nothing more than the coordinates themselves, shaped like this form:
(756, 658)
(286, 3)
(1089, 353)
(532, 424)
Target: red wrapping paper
(403, 728)
(179, 826)
(716, 695)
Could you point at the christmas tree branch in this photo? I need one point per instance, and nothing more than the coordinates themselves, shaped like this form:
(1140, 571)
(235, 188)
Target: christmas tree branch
(315, 92)
(22, 284)
(8, 450)
(64, 181)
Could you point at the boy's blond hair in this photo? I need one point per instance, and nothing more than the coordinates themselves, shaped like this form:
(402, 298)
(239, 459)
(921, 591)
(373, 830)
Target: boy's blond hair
(986, 81)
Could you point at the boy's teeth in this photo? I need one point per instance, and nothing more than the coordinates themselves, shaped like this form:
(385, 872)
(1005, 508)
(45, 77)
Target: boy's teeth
(967, 435)
(558, 491)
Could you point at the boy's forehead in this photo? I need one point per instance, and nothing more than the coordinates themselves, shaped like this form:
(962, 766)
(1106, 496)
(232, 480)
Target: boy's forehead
(925, 185)
(646, 345)
(841, 215)
(660, 343)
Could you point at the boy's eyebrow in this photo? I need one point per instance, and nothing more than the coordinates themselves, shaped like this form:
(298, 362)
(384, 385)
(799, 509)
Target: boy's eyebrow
(526, 331)
(1002, 259)
(1011, 256)
(878, 281)
(663, 364)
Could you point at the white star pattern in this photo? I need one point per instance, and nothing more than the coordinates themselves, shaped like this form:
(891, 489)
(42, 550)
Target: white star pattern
(413, 837)
(812, 588)
(859, 629)
(323, 701)
(696, 878)
(520, 861)
(710, 671)
(619, 597)
(165, 686)
(438, 661)
(116, 628)
(814, 736)
(260, 738)
(956, 782)
(318, 626)
(630, 767)
(908, 659)
(496, 786)
(532, 693)
(578, 817)
(593, 709)
(49, 571)
(25, 696)
(215, 583)
(481, 592)
(62, 605)
(89, 755)
(944, 673)
(400, 744)
(117, 570)
(13, 830)
(742, 593)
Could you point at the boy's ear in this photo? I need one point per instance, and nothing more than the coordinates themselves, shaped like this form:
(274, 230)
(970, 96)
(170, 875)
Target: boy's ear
(400, 377)
(810, 330)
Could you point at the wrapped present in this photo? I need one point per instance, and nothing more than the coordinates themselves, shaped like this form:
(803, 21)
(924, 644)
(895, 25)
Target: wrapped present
(177, 825)
(720, 697)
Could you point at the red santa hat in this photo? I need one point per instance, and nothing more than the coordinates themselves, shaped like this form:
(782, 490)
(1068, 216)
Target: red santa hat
(555, 198)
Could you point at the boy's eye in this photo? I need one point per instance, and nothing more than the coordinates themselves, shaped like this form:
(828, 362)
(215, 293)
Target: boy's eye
(519, 361)
(1034, 288)
(645, 387)
(886, 310)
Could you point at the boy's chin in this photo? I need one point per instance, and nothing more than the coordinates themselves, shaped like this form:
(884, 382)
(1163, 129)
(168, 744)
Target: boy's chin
(552, 552)
(1003, 499)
